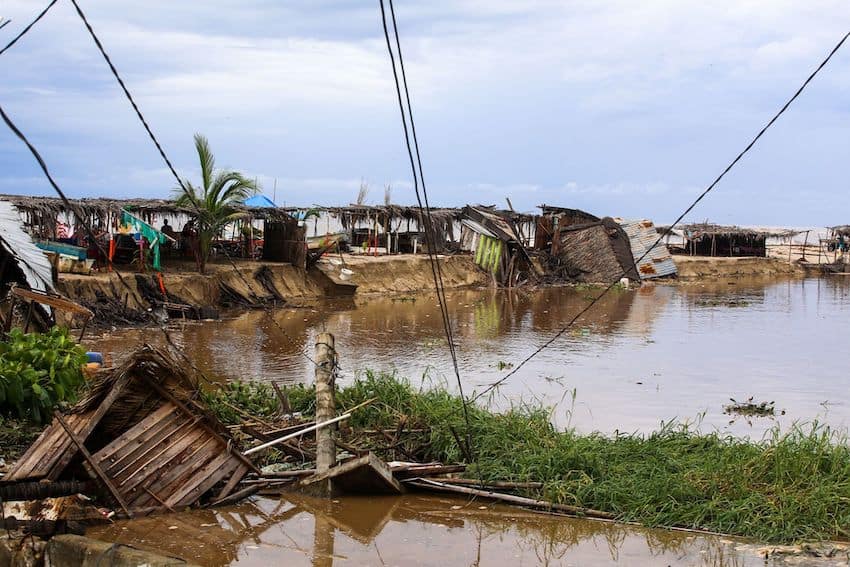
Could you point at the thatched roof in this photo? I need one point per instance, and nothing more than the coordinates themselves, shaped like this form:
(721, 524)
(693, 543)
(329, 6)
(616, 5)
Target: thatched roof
(596, 252)
(698, 231)
(843, 230)
(101, 207)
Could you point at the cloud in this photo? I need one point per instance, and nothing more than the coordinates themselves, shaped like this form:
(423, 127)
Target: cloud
(626, 98)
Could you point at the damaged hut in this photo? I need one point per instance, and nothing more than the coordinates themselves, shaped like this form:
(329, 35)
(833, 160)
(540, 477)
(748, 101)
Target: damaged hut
(496, 244)
(594, 252)
(143, 436)
(652, 257)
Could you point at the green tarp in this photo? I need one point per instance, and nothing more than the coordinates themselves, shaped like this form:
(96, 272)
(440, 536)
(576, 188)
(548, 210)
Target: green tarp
(152, 235)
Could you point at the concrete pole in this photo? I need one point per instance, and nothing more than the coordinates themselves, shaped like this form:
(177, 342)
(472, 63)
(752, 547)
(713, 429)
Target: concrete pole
(325, 405)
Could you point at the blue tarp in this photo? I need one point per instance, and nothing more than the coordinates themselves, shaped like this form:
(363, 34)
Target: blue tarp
(260, 201)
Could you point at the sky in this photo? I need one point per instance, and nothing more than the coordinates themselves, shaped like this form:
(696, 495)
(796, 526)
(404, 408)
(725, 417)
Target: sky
(618, 107)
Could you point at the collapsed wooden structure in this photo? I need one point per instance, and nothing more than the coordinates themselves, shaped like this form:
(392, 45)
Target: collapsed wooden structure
(595, 252)
(143, 435)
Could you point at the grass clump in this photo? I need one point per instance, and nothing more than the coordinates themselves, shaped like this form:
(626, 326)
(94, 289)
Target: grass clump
(789, 487)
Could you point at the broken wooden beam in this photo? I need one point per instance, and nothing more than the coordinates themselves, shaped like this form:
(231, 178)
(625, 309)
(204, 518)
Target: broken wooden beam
(93, 464)
(364, 475)
(429, 484)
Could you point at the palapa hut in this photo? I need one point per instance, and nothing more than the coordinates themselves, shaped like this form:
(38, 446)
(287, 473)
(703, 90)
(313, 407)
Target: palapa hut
(706, 239)
(595, 252)
(42, 217)
(495, 241)
(391, 229)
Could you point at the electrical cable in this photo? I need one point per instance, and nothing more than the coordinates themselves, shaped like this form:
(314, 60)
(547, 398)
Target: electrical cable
(189, 195)
(28, 28)
(425, 210)
(677, 221)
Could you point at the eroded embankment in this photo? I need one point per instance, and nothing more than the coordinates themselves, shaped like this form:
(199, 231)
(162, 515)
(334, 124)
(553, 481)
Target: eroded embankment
(701, 267)
(256, 283)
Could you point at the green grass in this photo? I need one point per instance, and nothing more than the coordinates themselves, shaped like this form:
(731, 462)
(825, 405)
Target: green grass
(787, 488)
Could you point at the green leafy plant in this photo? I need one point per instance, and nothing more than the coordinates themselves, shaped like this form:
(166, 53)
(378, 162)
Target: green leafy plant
(38, 371)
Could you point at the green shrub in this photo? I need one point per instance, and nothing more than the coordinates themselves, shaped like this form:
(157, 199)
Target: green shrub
(38, 371)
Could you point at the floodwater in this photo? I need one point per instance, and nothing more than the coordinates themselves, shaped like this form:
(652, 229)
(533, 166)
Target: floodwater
(413, 530)
(638, 358)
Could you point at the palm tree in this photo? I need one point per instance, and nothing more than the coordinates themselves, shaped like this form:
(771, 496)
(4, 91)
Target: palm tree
(214, 201)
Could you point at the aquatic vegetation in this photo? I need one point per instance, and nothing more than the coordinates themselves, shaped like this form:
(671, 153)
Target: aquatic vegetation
(750, 408)
(38, 371)
(787, 487)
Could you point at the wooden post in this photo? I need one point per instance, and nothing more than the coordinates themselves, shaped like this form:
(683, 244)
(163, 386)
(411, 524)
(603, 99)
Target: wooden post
(325, 406)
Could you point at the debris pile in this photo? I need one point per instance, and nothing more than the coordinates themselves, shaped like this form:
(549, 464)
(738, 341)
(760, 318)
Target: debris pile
(143, 438)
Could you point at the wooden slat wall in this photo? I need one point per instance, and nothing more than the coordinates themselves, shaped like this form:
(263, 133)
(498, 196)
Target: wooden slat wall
(169, 459)
(48, 449)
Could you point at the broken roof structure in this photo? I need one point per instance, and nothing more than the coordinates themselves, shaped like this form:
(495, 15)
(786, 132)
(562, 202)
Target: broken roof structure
(144, 435)
(595, 252)
(21, 261)
(651, 255)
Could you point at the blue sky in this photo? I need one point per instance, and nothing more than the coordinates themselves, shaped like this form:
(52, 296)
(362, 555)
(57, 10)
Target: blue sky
(622, 108)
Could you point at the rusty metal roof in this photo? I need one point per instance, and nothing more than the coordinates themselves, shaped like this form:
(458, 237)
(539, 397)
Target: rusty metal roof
(658, 262)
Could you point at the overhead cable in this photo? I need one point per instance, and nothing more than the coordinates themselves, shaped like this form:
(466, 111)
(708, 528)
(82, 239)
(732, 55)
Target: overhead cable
(425, 210)
(26, 29)
(668, 230)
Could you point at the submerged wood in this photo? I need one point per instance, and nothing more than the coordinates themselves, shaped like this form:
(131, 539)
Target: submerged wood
(429, 484)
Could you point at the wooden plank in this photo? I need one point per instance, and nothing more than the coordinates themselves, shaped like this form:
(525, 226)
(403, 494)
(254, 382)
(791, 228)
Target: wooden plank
(169, 396)
(53, 301)
(108, 452)
(37, 461)
(91, 422)
(170, 478)
(204, 479)
(231, 484)
(161, 458)
(90, 460)
(148, 444)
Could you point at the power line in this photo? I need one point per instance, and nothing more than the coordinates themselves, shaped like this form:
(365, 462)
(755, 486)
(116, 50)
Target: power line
(26, 29)
(89, 232)
(677, 221)
(167, 161)
(425, 210)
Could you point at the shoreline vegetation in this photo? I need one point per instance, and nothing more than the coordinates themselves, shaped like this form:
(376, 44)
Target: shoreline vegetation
(790, 487)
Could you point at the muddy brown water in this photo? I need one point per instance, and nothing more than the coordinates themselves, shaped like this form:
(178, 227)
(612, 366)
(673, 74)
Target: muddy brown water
(658, 353)
(639, 357)
(412, 530)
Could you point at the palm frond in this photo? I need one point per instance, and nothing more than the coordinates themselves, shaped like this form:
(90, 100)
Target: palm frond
(207, 159)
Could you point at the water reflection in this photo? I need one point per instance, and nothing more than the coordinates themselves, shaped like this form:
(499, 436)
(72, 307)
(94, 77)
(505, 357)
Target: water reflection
(638, 358)
(412, 530)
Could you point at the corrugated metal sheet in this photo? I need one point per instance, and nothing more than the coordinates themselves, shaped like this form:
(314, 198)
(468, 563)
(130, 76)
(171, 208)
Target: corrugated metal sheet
(642, 235)
(18, 243)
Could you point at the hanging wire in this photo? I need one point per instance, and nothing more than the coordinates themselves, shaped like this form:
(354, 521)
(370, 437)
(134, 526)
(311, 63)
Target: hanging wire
(668, 230)
(167, 161)
(26, 29)
(424, 209)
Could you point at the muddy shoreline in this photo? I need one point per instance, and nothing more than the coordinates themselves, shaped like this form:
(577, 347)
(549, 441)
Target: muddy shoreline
(259, 284)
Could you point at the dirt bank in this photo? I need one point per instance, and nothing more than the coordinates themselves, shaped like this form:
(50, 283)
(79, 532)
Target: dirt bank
(700, 267)
(260, 283)
(406, 273)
